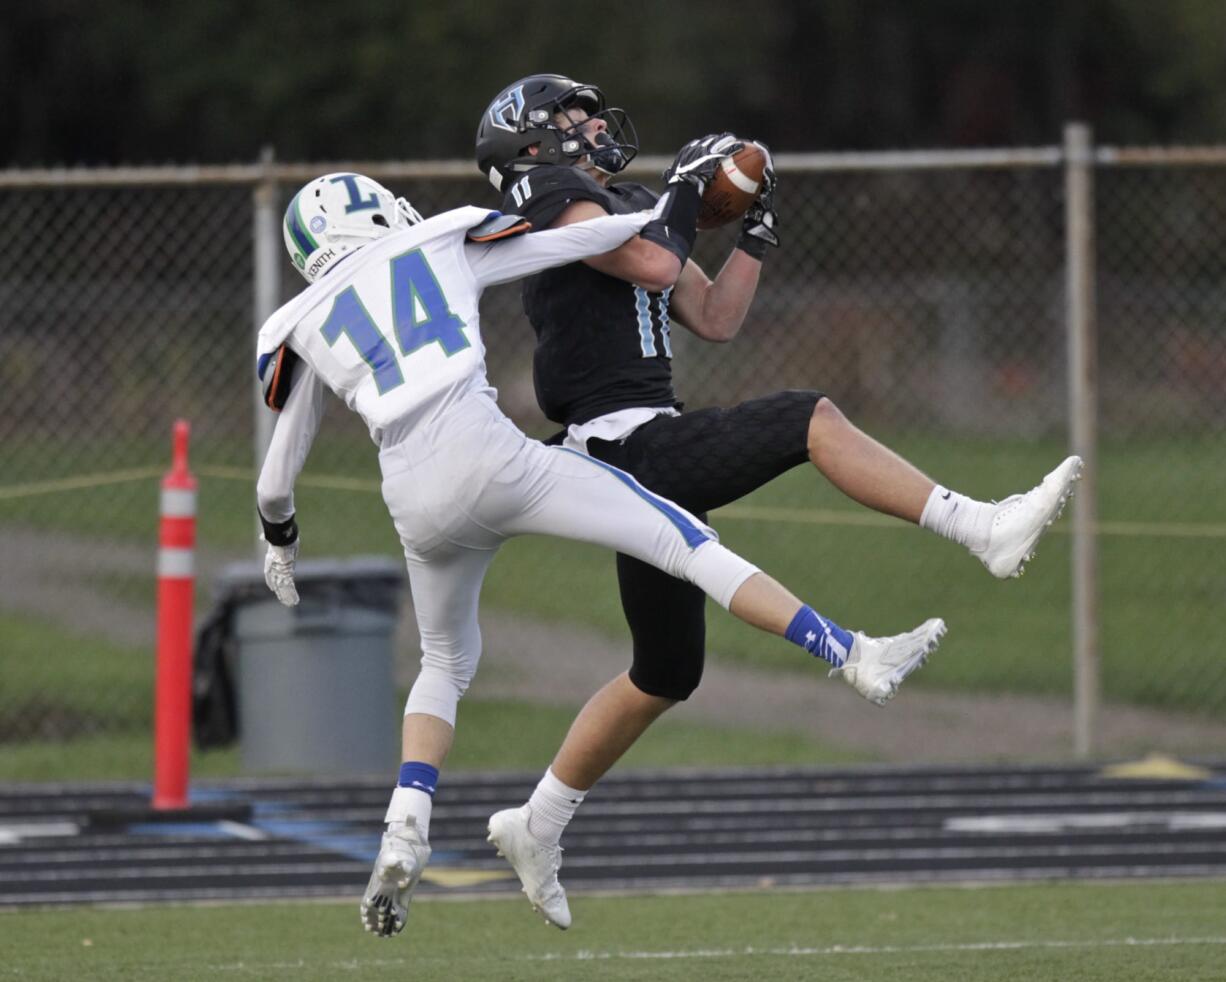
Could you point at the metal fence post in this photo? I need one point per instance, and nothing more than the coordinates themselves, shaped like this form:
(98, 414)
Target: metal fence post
(267, 286)
(1083, 430)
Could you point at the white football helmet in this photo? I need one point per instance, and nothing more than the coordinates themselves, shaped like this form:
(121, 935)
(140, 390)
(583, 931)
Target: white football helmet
(337, 214)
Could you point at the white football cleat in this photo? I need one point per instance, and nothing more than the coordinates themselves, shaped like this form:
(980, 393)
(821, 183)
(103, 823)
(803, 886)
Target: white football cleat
(402, 857)
(1021, 519)
(876, 667)
(535, 863)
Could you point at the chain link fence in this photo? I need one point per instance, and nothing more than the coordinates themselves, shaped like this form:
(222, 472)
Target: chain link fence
(926, 294)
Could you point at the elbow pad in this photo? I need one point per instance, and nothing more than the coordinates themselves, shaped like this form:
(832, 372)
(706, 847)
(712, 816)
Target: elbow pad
(676, 224)
(498, 226)
(277, 375)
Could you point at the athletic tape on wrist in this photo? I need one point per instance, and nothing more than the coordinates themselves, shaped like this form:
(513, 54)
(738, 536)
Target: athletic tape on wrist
(751, 245)
(280, 533)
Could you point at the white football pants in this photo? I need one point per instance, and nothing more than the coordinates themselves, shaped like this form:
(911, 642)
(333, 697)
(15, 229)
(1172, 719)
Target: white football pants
(461, 485)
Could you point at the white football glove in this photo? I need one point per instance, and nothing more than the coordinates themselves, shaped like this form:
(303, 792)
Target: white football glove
(698, 160)
(279, 572)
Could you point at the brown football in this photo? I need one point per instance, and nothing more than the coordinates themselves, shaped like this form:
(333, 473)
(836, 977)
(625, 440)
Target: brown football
(734, 187)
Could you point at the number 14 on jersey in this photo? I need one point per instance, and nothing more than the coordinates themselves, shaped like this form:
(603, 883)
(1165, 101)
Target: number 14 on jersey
(420, 316)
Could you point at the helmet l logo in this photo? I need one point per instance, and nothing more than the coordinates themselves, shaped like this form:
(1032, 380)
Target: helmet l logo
(356, 201)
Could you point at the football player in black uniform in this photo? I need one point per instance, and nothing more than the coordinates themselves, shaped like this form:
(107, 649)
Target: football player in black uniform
(602, 369)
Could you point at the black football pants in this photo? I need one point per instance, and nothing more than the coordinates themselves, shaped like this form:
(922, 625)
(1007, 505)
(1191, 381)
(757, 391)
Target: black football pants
(701, 460)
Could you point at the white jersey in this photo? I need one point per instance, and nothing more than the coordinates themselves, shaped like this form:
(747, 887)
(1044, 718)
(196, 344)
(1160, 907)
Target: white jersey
(395, 329)
(395, 332)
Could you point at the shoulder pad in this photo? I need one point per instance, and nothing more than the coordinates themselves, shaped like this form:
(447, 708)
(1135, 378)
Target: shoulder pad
(277, 374)
(498, 226)
(554, 177)
(543, 193)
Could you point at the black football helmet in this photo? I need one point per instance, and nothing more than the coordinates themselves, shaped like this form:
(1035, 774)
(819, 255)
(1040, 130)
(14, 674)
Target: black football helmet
(522, 114)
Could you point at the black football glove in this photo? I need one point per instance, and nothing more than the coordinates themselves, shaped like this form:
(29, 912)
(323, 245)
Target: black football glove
(697, 160)
(761, 220)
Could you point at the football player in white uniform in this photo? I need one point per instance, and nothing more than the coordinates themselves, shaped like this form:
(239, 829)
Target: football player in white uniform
(390, 324)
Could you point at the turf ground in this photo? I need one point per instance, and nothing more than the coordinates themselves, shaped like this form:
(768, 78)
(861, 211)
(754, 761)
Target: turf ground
(1091, 933)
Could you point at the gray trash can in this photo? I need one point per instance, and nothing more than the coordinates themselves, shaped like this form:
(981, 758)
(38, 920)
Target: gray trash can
(315, 687)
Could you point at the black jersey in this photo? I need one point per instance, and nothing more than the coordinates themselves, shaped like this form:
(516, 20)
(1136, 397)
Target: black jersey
(602, 343)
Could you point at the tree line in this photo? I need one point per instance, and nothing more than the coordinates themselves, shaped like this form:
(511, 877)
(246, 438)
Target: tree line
(140, 82)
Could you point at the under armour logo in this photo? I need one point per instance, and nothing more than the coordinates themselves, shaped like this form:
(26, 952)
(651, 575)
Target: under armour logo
(507, 108)
(810, 640)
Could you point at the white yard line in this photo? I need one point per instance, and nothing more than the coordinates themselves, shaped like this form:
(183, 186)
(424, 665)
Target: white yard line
(241, 831)
(798, 951)
(11, 834)
(791, 951)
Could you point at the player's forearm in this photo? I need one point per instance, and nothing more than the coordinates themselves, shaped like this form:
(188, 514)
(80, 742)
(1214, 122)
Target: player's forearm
(274, 492)
(716, 309)
(274, 489)
(291, 441)
(642, 263)
(528, 254)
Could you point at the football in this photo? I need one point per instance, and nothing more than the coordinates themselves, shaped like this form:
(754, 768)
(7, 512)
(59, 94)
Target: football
(734, 187)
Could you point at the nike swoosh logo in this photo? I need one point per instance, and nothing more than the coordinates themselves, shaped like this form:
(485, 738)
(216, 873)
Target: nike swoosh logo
(945, 496)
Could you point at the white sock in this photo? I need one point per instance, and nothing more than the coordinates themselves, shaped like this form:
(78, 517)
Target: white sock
(410, 804)
(959, 518)
(551, 808)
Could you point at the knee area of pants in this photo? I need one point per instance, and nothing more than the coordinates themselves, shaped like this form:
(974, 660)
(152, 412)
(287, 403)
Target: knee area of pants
(676, 689)
(457, 671)
(804, 397)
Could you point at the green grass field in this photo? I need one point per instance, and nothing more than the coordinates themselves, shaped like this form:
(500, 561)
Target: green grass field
(1160, 567)
(108, 714)
(1088, 933)
(868, 571)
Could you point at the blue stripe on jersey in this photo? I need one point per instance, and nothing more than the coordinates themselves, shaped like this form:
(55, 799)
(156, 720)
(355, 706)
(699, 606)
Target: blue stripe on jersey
(693, 535)
(665, 323)
(642, 306)
(293, 221)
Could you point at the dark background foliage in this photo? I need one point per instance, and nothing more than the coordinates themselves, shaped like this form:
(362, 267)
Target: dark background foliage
(134, 81)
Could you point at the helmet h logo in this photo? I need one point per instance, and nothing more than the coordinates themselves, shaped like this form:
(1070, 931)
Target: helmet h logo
(507, 109)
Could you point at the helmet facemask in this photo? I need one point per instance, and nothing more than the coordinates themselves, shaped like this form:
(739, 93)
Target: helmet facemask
(614, 147)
